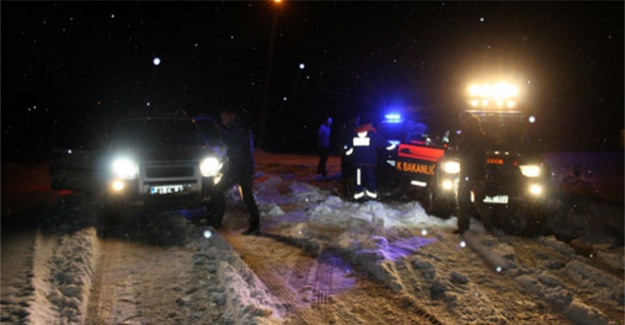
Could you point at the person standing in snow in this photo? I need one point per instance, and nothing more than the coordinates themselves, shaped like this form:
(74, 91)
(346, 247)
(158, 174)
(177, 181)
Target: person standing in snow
(240, 143)
(323, 145)
(470, 149)
(347, 167)
(363, 150)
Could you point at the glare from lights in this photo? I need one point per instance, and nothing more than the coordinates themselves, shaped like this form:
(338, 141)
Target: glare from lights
(125, 168)
(463, 244)
(393, 118)
(424, 232)
(532, 119)
(500, 90)
(284, 99)
(156, 61)
(530, 170)
(481, 19)
(210, 166)
(536, 189)
(451, 167)
(498, 269)
(117, 186)
(208, 233)
(302, 66)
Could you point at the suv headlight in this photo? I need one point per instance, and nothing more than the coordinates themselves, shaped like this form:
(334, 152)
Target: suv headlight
(451, 167)
(125, 168)
(530, 170)
(210, 166)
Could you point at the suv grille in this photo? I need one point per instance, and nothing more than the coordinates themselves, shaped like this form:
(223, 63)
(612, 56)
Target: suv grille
(168, 171)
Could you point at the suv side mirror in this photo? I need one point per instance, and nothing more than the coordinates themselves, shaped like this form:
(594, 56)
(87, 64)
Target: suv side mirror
(445, 137)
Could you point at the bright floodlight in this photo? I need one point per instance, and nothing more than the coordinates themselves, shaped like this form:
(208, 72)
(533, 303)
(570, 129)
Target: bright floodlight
(156, 61)
(500, 90)
(500, 95)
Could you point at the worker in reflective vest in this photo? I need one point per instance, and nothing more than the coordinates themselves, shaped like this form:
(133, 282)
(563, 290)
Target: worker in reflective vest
(363, 150)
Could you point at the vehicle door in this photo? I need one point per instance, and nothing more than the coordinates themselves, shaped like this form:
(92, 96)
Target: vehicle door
(418, 154)
(75, 158)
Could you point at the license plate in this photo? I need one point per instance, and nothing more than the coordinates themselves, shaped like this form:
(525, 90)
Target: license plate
(167, 189)
(499, 199)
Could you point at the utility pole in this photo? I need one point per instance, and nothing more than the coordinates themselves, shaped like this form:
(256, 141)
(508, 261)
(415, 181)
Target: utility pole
(262, 124)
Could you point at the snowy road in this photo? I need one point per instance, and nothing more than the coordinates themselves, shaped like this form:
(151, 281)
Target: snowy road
(320, 259)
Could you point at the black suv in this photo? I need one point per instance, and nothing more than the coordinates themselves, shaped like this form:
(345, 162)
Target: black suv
(518, 180)
(154, 162)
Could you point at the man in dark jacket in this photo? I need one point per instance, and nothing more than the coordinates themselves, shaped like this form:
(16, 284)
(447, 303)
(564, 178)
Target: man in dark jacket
(346, 136)
(470, 148)
(323, 145)
(363, 150)
(240, 142)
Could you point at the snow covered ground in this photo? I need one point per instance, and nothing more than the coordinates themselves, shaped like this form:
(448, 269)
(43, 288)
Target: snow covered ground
(478, 278)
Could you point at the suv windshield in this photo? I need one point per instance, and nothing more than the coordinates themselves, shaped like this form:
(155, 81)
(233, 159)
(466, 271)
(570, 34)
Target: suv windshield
(209, 129)
(407, 131)
(150, 133)
(506, 132)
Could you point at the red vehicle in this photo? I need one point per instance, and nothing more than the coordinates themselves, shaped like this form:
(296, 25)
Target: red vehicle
(412, 167)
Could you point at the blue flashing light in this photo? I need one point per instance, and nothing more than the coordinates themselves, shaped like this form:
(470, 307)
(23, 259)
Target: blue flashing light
(395, 142)
(392, 118)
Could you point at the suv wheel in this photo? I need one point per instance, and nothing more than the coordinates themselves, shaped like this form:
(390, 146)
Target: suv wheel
(436, 206)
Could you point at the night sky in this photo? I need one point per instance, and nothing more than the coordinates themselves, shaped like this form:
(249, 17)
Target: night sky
(325, 58)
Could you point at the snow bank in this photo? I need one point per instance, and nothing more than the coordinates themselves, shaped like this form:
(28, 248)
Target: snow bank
(246, 298)
(62, 281)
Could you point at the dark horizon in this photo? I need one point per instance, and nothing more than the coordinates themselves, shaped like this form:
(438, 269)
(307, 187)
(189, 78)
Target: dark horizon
(96, 58)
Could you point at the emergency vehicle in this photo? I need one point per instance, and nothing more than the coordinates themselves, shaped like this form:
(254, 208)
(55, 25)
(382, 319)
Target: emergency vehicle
(410, 168)
(518, 180)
